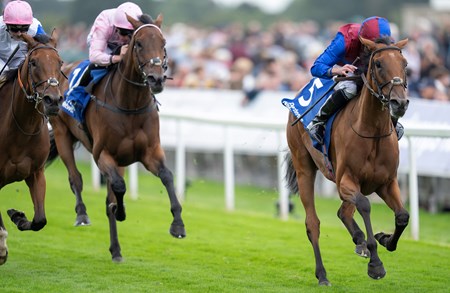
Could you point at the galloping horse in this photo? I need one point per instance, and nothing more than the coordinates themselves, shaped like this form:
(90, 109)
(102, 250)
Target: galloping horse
(122, 127)
(364, 156)
(28, 95)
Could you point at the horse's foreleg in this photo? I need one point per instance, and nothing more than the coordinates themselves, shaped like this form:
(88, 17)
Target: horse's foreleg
(36, 185)
(392, 198)
(111, 213)
(115, 209)
(3, 246)
(116, 183)
(375, 268)
(345, 213)
(177, 227)
(154, 162)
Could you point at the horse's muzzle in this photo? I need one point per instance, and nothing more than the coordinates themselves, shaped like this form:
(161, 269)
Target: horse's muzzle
(51, 104)
(398, 107)
(156, 83)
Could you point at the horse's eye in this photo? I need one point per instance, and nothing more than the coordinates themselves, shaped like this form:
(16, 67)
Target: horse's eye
(378, 64)
(138, 45)
(33, 62)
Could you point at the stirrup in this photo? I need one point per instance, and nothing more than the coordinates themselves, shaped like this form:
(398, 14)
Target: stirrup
(316, 130)
(400, 130)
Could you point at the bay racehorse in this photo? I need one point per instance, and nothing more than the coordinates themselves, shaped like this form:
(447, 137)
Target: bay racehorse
(122, 127)
(29, 95)
(364, 155)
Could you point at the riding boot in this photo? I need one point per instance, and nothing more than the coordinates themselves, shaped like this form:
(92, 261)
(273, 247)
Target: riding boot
(398, 128)
(316, 127)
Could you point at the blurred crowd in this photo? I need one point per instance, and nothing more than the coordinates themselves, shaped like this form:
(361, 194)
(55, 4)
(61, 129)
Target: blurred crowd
(252, 59)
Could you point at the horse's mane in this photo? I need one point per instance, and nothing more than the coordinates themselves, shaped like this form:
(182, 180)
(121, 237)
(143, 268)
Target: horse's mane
(146, 19)
(365, 59)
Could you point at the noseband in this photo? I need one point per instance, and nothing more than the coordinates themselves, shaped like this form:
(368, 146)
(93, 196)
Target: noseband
(36, 96)
(395, 81)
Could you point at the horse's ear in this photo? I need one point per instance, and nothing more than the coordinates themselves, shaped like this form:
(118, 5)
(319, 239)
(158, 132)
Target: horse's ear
(159, 20)
(29, 40)
(402, 43)
(368, 43)
(54, 38)
(134, 22)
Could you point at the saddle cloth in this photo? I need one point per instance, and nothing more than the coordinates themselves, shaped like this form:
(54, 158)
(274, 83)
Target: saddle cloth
(76, 98)
(305, 99)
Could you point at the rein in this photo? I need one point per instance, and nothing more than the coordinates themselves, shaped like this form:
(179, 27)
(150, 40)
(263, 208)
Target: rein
(35, 97)
(147, 108)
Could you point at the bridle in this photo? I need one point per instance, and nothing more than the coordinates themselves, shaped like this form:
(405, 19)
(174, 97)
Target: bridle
(35, 95)
(395, 81)
(155, 61)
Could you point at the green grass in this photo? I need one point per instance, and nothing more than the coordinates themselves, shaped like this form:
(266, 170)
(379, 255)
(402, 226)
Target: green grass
(248, 250)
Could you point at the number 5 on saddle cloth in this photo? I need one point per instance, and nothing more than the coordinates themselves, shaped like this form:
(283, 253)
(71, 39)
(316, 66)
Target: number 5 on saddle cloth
(76, 97)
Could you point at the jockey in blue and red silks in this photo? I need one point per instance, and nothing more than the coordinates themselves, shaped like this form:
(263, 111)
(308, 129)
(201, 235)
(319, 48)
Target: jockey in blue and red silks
(337, 59)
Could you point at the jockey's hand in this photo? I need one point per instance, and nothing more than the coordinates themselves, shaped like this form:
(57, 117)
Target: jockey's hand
(123, 50)
(344, 70)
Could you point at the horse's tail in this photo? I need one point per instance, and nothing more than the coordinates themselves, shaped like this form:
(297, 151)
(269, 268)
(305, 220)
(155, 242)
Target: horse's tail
(291, 176)
(53, 150)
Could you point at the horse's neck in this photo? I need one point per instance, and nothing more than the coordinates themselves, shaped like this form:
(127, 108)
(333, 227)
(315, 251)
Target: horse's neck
(24, 113)
(129, 95)
(370, 112)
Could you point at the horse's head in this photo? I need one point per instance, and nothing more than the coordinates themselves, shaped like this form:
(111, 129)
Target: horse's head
(148, 46)
(42, 68)
(386, 78)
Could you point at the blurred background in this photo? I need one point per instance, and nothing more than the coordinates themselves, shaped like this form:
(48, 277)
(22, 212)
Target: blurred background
(247, 55)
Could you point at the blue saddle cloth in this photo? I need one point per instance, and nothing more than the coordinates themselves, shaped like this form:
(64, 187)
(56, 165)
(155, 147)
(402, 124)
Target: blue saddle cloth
(76, 98)
(305, 98)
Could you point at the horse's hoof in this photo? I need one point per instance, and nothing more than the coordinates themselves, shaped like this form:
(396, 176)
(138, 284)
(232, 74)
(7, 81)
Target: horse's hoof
(324, 282)
(13, 214)
(82, 220)
(376, 272)
(117, 259)
(177, 231)
(361, 250)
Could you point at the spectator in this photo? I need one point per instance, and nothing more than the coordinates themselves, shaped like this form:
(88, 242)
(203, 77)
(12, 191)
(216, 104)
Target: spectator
(437, 86)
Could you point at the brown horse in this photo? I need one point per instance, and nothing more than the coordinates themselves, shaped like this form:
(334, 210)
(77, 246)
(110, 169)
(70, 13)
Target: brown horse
(364, 155)
(122, 127)
(28, 95)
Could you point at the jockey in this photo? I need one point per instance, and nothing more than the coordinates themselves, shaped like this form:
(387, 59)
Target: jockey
(109, 37)
(17, 19)
(337, 60)
(111, 31)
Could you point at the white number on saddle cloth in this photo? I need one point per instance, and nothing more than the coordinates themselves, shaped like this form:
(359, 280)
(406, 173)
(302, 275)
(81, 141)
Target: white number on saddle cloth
(317, 84)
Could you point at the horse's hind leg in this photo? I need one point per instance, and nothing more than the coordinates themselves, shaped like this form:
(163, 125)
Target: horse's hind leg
(345, 213)
(306, 174)
(157, 166)
(64, 144)
(3, 246)
(391, 195)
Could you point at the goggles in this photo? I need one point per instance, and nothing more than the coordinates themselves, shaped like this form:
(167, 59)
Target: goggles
(18, 28)
(124, 32)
